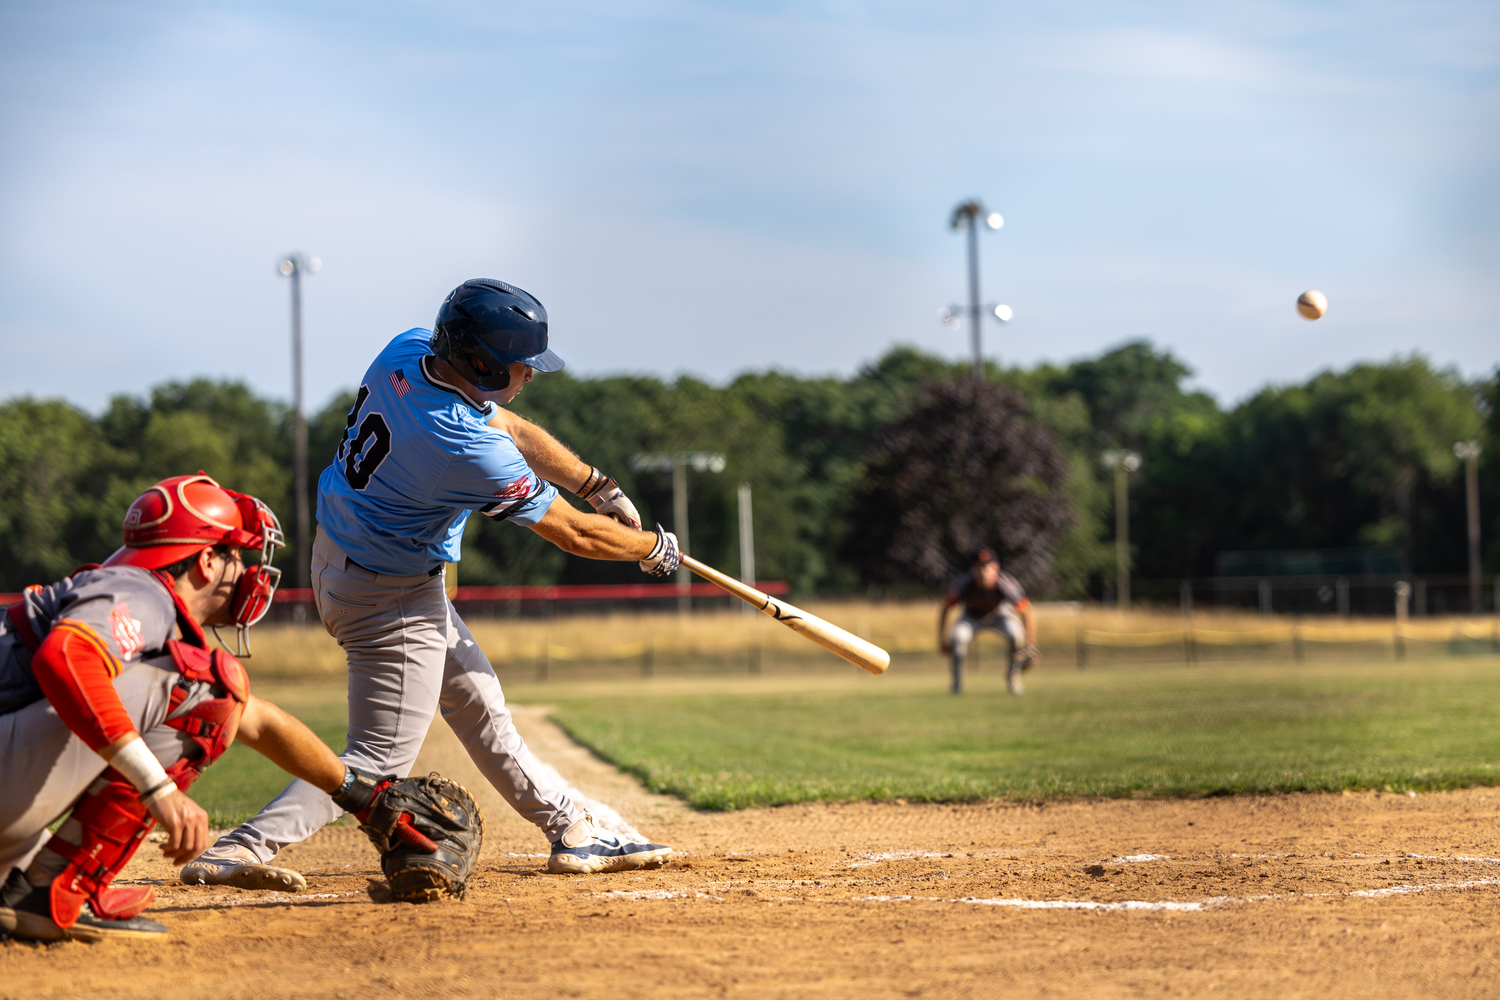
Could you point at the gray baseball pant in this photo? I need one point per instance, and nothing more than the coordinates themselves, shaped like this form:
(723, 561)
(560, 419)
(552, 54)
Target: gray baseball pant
(409, 656)
(1007, 626)
(44, 767)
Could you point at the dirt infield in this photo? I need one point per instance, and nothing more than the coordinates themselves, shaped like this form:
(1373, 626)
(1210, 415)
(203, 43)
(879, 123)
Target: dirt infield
(1292, 896)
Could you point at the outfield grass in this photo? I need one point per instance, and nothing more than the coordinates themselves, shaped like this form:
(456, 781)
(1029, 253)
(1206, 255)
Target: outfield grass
(1161, 731)
(739, 742)
(242, 780)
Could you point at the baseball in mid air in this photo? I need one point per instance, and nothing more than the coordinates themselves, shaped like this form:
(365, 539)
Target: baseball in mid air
(1312, 304)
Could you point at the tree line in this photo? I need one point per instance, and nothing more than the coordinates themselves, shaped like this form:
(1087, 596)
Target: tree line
(882, 480)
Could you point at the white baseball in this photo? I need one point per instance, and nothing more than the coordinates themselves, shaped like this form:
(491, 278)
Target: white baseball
(1312, 304)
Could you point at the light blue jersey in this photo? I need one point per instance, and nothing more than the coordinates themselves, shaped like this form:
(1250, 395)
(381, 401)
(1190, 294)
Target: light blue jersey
(417, 456)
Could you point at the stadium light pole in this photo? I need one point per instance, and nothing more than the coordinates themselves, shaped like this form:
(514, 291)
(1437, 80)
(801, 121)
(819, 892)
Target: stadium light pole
(292, 266)
(747, 543)
(1468, 452)
(968, 215)
(677, 463)
(1123, 462)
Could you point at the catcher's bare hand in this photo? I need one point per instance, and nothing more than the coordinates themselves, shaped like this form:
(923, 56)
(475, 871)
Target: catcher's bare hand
(186, 826)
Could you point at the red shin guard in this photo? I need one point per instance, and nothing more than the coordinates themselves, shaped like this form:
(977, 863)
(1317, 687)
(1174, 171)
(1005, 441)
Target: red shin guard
(113, 823)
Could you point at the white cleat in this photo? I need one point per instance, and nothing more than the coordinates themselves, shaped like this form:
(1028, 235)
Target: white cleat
(586, 849)
(1013, 681)
(241, 869)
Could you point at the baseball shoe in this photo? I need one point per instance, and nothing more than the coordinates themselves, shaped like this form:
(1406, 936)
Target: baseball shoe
(1013, 679)
(26, 913)
(586, 849)
(238, 867)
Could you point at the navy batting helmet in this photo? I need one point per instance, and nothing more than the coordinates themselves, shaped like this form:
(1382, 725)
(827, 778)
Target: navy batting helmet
(485, 325)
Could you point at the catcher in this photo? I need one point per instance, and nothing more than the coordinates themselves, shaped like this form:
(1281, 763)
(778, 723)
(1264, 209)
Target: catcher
(111, 705)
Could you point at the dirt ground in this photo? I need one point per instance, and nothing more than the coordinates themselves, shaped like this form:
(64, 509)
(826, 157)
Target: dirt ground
(1324, 896)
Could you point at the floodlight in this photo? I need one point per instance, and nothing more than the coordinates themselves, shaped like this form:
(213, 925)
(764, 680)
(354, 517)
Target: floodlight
(1004, 313)
(995, 220)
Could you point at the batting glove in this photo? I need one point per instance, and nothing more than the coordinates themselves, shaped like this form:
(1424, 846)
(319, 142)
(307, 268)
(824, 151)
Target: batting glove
(606, 497)
(664, 558)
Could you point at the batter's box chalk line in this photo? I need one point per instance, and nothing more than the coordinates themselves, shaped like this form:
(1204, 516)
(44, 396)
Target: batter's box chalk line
(1135, 859)
(624, 894)
(222, 901)
(1183, 906)
(875, 859)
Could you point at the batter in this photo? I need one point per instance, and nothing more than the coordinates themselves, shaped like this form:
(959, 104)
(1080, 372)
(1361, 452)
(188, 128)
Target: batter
(428, 442)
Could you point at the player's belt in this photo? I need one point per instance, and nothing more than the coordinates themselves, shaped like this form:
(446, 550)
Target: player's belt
(350, 562)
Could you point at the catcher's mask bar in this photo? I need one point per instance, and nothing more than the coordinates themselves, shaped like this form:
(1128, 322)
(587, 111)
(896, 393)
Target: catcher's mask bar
(257, 585)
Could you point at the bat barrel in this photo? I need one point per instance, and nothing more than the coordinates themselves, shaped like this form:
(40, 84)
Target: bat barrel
(860, 652)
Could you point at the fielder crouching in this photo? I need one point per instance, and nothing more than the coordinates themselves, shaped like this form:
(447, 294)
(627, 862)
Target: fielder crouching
(111, 705)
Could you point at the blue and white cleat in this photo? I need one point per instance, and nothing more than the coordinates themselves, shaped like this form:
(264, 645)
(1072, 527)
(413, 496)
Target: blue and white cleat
(586, 849)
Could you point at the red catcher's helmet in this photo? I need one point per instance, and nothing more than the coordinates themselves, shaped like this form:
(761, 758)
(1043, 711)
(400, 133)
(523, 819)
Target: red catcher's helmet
(178, 517)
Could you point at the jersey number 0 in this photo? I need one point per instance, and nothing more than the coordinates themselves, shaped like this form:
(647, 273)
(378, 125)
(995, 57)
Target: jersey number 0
(363, 452)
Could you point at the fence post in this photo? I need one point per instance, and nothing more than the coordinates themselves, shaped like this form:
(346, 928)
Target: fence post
(1343, 591)
(1083, 654)
(1403, 595)
(1296, 645)
(1265, 596)
(647, 656)
(542, 664)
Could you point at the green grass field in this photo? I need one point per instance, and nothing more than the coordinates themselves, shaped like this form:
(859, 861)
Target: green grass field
(739, 742)
(242, 780)
(1143, 731)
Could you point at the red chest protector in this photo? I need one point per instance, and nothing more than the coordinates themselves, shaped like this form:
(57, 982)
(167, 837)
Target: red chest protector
(212, 722)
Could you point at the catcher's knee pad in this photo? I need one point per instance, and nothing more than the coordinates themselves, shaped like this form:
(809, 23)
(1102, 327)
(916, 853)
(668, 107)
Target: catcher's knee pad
(109, 823)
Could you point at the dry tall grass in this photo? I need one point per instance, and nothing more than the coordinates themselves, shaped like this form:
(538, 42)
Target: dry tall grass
(655, 640)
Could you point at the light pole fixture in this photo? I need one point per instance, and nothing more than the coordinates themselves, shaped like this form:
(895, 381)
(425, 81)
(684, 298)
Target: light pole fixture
(1468, 452)
(1123, 462)
(678, 463)
(292, 266)
(971, 215)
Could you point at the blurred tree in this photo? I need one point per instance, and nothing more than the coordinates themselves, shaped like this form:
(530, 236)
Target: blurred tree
(965, 468)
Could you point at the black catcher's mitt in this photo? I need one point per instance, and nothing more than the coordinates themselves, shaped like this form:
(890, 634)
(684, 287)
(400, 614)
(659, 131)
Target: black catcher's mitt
(428, 832)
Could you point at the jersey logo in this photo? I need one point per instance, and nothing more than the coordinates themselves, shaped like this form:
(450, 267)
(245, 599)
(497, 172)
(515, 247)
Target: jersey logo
(516, 490)
(399, 383)
(127, 631)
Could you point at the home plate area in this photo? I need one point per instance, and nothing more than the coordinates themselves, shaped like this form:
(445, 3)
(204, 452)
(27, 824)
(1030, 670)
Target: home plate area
(1368, 895)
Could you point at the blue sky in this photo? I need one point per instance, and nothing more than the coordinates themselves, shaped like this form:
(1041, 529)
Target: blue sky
(707, 188)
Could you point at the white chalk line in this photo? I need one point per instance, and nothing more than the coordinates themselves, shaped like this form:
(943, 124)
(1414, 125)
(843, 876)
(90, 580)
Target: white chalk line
(1135, 859)
(875, 859)
(222, 901)
(1195, 905)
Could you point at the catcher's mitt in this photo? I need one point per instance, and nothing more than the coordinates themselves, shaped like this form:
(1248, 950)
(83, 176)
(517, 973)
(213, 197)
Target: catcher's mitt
(428, 832)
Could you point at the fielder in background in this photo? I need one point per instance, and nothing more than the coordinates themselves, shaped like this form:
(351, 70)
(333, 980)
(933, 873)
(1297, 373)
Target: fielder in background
(429, 442)
(991, 599)
(111, 705)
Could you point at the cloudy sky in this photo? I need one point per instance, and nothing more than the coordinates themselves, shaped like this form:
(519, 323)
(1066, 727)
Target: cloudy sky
(711, 187)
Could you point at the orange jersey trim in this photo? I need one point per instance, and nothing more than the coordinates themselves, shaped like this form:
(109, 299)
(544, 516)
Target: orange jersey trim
(76, 671)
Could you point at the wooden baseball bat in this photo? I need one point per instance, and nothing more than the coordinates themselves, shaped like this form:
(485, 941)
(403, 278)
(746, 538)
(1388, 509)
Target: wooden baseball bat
(865, 655)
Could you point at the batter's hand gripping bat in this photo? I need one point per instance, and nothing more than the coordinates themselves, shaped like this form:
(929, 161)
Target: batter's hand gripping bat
(865, 655)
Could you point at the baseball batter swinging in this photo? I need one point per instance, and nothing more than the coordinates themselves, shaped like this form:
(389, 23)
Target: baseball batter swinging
(111, 705)
(995, 600)
(427, 443)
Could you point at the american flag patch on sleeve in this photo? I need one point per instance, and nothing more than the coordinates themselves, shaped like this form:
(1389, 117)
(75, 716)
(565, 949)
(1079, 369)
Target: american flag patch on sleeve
(399, 383)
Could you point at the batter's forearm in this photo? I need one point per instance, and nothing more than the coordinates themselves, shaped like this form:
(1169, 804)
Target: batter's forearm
(285, 741)
(593, 536)
(547, 456)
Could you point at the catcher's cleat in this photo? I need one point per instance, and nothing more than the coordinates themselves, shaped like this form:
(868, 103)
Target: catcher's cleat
(586, 849)
(26, 913)
(241, 869)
